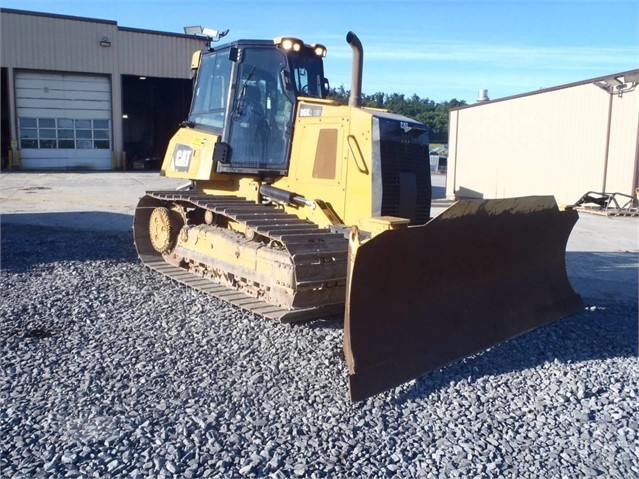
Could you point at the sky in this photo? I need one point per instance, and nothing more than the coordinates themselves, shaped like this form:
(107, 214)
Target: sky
(436, 49)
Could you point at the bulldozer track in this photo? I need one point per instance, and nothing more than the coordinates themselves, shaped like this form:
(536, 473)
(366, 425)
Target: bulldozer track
(318, 255)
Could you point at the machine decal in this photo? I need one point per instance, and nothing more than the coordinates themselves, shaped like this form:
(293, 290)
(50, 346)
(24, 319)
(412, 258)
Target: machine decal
(310, 111)
(198, 141)
(182, 157)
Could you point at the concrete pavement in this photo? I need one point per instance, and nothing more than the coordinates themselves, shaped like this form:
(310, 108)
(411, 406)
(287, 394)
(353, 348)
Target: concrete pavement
(102, 201)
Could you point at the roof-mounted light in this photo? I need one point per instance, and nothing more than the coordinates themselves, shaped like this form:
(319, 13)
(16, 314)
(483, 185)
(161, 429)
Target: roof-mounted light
(320, 50)
(290, 44)
(296, 45)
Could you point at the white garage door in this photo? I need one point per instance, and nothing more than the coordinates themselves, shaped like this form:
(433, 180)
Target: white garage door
(64, 120)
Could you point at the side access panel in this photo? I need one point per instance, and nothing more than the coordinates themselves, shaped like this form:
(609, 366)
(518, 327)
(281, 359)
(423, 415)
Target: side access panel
(480, 273)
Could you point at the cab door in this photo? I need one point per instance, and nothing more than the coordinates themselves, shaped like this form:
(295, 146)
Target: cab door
(260, 122)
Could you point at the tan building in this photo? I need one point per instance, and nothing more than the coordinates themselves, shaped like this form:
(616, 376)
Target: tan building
(562, 141)
(86, 93)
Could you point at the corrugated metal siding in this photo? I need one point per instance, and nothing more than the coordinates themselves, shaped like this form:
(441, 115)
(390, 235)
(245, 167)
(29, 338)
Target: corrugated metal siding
(58, 44)
(550, 143)
(42, 42)
(142, 53)
(451, 164)
(624, 130)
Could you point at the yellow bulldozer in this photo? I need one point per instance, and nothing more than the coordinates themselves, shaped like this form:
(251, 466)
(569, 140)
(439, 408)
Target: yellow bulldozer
(299, 207)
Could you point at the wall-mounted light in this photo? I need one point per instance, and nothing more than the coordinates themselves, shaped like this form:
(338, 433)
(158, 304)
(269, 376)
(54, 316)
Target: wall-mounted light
(105, 42)
(620, 84)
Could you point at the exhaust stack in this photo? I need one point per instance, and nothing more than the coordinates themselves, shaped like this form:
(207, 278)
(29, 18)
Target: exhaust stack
(358, 65)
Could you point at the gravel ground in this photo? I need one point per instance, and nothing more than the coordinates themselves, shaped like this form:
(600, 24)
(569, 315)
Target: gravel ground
(109, 370)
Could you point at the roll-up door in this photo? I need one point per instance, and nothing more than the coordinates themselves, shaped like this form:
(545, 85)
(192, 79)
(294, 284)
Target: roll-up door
(64, 120)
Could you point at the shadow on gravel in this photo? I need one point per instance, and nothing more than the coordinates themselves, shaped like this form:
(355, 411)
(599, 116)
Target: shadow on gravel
(602, 334)
(79, 220)
(604, 276)
(24, 246)
(607, 328)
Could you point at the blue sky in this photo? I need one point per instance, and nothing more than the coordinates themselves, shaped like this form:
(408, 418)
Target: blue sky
(437, 49)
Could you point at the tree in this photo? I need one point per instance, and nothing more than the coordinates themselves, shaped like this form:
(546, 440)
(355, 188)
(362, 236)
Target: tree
(424, 110)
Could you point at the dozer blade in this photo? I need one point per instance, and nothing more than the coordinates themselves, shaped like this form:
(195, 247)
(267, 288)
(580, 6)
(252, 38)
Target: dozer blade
(482, 272)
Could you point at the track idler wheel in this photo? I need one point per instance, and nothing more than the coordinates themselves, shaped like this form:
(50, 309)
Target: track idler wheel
(163, 229)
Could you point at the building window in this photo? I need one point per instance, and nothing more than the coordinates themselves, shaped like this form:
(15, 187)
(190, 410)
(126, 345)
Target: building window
(64, 133)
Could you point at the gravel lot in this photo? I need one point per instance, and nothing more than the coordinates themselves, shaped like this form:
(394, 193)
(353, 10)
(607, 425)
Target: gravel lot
(109, 370)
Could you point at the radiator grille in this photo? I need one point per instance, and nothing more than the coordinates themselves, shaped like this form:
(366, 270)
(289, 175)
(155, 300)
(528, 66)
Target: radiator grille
(400, 161)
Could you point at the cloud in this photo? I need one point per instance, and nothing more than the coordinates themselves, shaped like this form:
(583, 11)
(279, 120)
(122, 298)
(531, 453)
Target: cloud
(499, 56)
(442, 70)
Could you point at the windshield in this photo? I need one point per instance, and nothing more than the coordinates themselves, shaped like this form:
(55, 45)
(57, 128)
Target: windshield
(308, 74)
(212, 90)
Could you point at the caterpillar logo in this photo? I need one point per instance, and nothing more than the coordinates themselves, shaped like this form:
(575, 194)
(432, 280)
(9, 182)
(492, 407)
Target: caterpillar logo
(182, 157)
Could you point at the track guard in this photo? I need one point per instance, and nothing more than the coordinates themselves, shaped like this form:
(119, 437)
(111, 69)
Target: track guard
(480, 273)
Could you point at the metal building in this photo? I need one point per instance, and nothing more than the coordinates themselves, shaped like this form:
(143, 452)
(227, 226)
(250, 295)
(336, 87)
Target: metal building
(562, 141)
(86, 93)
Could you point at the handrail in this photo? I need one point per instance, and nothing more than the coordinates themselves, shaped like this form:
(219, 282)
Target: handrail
(355, 150)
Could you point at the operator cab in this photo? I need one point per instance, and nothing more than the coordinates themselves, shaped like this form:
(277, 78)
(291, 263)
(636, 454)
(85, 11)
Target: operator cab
(246, 93)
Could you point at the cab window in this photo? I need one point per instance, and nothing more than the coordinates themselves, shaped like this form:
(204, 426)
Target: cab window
(212, 90)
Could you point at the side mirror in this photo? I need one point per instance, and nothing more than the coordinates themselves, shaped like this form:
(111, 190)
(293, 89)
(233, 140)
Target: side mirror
(286, 80)
(326, 87)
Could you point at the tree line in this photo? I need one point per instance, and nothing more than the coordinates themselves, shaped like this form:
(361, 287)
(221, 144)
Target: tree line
(424, 110)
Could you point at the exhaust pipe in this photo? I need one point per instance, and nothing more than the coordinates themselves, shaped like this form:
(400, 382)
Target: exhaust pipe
(358, 65)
